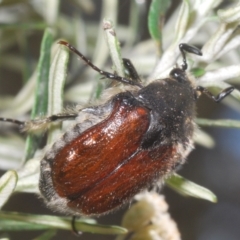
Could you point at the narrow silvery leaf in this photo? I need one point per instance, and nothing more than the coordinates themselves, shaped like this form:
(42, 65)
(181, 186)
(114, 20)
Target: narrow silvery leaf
(218, 123)
(7, 185)
(114, 46)
(221, 74)
(230, 15)
(29, 176)
(156, 19)
(202, 7)
(204, 139)
(182, 21)
(46, 221)
(24, 99)
(169, 57)
(11, 152)
(41, 91)
(188, 188)
(57, 77)
(217, 42)
(48, 235)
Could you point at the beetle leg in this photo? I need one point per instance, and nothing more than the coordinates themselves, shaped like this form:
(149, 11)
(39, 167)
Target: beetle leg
(225, 92)
(131, 69)
(74, 229)
(41, 123)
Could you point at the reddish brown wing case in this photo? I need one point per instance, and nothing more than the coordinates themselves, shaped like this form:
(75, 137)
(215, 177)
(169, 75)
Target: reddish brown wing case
(104, 166)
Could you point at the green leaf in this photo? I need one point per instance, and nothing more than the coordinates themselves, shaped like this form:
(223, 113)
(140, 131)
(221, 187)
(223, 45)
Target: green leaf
(114, 46)
(11, 225)
(230, 15)
(182, 21)
(101, 51)
(41, 90)
(51, 12)
(29, 177)
(7, 185)
(11, 2)
(198, 72)
(47, 235)
(202, 138)
(65, 223)
(28, 26)
(43, 68)
(227, 123)
(156, 17)
(57, 78)
(190, 189)
(11, 148)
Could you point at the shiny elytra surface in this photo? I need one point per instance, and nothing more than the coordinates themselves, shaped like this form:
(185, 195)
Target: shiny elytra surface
(104, 166)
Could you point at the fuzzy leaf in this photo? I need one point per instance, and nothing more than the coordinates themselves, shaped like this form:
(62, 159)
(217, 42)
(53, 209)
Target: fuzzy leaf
(7, 185)
(156, 17)
(226, 123)
(41, 90)
(190, 189)
(46, 221)
(57, 78)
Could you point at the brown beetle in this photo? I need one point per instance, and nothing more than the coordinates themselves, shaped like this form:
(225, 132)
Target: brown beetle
(123, 146)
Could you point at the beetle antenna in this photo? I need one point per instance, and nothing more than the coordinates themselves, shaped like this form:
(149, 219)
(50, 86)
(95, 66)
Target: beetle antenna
(105, 74)
(10, 120)
(188, 48)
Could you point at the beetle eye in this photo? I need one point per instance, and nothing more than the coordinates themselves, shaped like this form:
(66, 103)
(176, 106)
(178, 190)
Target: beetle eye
(179, 75)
